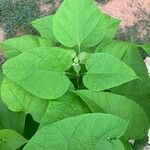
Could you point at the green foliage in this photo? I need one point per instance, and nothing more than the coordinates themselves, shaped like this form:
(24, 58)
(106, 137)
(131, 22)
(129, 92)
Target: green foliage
(77, 86)
(9, 138)
(73, 134)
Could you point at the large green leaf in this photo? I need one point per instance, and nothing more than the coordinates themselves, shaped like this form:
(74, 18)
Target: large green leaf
(40, 71)
(15, 46)
(78, 133)
(138, 90)
(9, 119)
(66, 106)
(45, 27)
(11, 140)
(79, 22)
(17, 99)
(120, 106)
(106, 71)
(115, 48)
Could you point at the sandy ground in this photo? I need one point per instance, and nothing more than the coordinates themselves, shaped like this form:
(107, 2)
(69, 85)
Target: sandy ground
(129, 11)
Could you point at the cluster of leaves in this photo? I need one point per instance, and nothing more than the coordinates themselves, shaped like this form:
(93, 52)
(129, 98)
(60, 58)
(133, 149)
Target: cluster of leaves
(74, 87)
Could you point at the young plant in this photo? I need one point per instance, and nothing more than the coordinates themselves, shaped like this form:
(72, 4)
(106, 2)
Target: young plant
(83, 89)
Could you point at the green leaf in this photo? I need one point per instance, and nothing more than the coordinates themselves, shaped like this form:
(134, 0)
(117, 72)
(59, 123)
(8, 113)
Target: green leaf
(119, 106)
(141, 92)
(76, 133)
(9, 119)
(11, 140)
(18, 100)
(141, 87)
(40, 71)
(15, 46)
(66, 106)
(126, 143)
(146, 47)
(111, 145)
(112, 26)
(45, 27)
(106, 71)
(79, 22)
(140, 144)
(45, 42)
(115, 48)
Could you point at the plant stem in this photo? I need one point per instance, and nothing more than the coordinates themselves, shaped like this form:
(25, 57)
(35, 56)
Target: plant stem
(78, 85)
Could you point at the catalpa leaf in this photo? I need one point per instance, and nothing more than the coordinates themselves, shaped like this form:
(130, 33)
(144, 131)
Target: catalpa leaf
(141, 92)
(115, 48)
(40, 71)
(8, 119)
(119, 106)
(80, 132)
(14, 46)
(79, 22)
(45, 27)
(141, 87)
(11, 140)
(106, 71)
(18, 100)
(68, 105)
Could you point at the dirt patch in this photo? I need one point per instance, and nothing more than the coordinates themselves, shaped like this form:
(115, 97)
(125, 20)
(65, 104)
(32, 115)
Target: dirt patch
(47, 8)
(134, 16)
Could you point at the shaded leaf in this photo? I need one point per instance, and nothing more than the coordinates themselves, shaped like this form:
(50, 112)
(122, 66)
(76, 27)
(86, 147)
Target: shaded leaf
(112, 26)
(66, 106)
(11, 140)
(146, 47)
(9, 119)
(45, 27)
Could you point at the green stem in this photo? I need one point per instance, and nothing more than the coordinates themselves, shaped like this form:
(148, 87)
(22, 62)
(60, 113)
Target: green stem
(78, 85)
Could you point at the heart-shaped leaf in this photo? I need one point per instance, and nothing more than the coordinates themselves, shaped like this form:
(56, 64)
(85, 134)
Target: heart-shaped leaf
(81, 132)
(79, 22)
(40, 71)
(106, 71)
